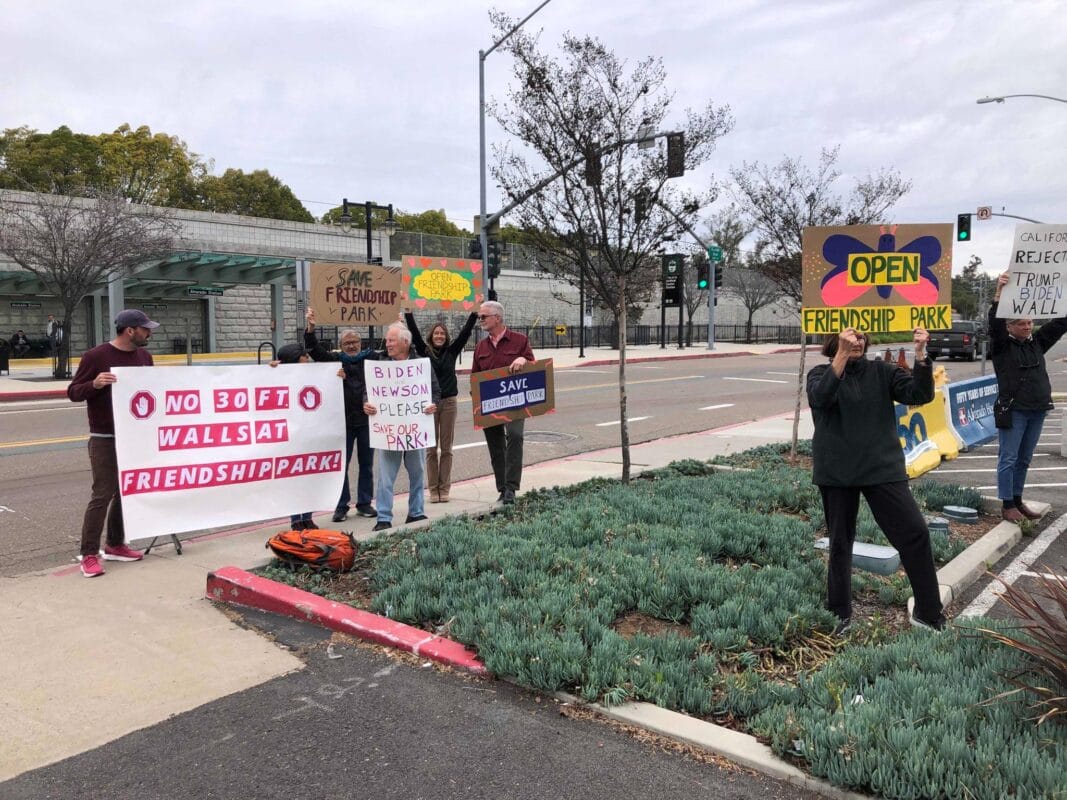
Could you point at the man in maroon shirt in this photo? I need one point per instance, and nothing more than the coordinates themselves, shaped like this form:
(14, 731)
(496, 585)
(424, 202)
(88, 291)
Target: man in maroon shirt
(92, 383)
(502, 348)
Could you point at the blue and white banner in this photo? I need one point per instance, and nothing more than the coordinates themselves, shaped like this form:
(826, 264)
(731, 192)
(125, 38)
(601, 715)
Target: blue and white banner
(970, 410)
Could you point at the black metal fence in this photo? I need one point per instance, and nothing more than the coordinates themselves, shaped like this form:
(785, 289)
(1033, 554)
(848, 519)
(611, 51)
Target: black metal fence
(545, 336)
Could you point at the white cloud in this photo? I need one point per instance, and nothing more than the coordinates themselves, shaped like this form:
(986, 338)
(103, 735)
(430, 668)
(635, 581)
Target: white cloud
(379, 100)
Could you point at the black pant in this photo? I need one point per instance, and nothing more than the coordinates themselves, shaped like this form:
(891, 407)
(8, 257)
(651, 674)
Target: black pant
(505, 452)
(898, 516)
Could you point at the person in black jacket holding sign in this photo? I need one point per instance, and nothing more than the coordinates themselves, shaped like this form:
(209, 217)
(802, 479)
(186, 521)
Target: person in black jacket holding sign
(1023, 385)
(856, 450)
(357, 427)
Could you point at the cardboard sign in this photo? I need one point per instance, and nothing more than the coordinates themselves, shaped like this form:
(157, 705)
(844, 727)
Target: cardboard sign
(354, 294)
(200, 447)
(499, 395)
(1037, 272)
(448, 283)
(877, 278)
(401, 390)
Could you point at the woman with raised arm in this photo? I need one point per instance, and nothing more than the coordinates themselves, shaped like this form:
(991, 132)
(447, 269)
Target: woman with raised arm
(443, 352)
(856, 450)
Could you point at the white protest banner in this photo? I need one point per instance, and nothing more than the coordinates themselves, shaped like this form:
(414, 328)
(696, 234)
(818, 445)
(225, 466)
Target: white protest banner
(1037, 273)
(401, 391)
(200, 447)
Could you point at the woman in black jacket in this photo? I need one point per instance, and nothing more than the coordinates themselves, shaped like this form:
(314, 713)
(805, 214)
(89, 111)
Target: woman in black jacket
(442, 352)
(856, 451)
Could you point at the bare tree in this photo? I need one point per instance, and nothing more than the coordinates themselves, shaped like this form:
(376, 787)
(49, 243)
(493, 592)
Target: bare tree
(610, 208)
(753, 289)
(75, 244)
(781, 201)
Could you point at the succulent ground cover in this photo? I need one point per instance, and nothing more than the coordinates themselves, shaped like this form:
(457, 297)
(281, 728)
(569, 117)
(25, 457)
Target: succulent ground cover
(699, 590)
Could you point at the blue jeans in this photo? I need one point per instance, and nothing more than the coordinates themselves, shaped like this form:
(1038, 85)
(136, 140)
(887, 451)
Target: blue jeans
(388, 467)
(359, 440)
(1017, 445)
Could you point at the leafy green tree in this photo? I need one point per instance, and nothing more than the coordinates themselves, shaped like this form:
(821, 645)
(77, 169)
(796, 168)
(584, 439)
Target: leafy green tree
(971, 290)
(253, 194)
(60, 162)
(143, 167)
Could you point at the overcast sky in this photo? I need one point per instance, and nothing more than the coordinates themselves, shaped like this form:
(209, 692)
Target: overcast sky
(379, 101)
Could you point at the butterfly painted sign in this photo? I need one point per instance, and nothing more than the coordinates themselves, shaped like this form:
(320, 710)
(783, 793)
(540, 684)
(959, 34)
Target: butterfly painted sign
(452, 284)
(877, 278)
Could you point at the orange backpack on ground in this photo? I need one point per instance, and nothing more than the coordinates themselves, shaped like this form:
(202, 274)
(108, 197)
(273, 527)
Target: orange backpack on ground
(317, 548)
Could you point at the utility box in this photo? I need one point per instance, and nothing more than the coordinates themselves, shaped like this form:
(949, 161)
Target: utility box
(876, 558)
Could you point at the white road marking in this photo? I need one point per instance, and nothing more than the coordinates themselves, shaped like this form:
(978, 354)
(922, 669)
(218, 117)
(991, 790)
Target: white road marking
(985, 601)
(619, 422)
(755, 380)
(1048, 576)
(644, 366)
(994, 455)
(1028, 485)
(584, 370)
(70, 407)
(469, 444)
(993, 469)
(790, 374)
(721, 405)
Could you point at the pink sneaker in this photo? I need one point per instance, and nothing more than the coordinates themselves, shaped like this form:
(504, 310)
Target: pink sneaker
(91, 567)
(121, 553)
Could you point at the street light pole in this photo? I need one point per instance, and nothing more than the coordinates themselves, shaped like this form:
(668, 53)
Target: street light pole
(1003, 97)
(390, 228)
(482, 55)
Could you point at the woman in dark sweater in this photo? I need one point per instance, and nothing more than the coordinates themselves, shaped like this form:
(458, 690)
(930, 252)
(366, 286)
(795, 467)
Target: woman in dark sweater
(442, 352)
(856, 451)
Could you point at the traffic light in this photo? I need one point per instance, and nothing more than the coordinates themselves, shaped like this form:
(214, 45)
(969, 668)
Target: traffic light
(718, 276)
(963, 228)
(640, 206)
(474, 250)
(702, 275)
(675, 155)
(593, 168)
(493, 257)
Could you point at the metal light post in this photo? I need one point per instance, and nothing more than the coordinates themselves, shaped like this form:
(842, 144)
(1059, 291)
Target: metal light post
(389, 226)
(1003, 97)
(482, 55)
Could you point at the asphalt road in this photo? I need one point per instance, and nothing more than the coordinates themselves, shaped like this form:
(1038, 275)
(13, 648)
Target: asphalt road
(44, 472)
(359, 724)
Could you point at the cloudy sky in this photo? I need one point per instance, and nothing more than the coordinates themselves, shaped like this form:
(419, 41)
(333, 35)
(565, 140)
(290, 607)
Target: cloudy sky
(379, 101)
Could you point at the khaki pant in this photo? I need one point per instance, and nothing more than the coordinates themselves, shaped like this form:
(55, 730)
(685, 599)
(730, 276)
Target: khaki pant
(439, 457)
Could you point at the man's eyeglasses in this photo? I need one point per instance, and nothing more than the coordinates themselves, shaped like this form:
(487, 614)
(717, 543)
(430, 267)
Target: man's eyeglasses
(487, 316)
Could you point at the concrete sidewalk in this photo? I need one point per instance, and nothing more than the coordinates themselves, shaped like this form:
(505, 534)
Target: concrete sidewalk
(100, 658)
(30, 379)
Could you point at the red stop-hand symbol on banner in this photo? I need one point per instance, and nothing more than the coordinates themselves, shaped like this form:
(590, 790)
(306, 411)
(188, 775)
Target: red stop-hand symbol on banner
(310, 398)
(142, 405)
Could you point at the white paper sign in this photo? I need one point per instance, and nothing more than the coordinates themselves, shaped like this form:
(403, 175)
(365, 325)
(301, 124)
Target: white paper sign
(1037, 273)
(201, 447)
(401, 391)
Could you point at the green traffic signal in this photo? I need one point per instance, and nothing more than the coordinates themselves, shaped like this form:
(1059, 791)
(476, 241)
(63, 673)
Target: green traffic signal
(963, 228)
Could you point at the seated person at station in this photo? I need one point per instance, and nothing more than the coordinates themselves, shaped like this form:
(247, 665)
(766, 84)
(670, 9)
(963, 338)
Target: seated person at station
(20, 345)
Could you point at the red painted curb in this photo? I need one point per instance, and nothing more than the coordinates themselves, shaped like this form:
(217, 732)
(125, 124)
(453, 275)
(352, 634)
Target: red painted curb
(233, 585)
(43, 394)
